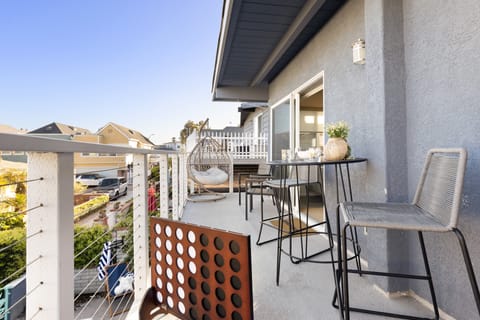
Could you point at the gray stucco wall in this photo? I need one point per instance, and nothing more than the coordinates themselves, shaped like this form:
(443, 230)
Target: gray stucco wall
(419, 89)
(345, 98)
(442, 50)
(344, 85)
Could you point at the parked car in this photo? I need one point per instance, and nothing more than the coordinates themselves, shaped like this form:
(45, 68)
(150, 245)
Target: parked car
(89, 179)
(115, 187)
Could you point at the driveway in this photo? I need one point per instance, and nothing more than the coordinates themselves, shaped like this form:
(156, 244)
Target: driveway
(90, 220)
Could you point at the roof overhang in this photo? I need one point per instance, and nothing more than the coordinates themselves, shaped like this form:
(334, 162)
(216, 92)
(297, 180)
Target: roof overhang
(257, 40)
(246, 109)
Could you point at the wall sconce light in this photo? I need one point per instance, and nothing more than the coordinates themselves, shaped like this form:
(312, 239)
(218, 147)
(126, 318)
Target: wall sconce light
(358, 48)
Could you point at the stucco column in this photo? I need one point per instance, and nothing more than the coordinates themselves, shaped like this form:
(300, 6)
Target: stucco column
(386, 99)
(50, 252)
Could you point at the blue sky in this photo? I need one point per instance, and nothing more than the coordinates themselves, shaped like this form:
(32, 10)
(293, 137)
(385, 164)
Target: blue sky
(144, 64)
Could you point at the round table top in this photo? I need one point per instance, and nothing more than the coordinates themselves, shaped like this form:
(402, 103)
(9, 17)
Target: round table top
(317, 161)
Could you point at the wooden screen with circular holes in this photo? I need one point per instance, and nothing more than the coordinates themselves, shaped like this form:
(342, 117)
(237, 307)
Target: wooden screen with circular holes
(200, 273)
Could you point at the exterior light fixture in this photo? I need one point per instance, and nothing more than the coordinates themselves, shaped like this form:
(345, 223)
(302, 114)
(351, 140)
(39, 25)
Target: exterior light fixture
(358, 48)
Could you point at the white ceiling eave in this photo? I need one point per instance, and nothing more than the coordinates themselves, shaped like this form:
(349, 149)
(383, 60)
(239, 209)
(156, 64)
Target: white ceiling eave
(252, 94)
(222, 38)
(306, 14)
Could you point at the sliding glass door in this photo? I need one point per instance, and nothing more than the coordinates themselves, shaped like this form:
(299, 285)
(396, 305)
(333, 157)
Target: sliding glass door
(281, 118)
(297, 120)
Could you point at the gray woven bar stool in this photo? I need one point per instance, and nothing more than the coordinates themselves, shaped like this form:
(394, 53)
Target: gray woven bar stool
(434, 209)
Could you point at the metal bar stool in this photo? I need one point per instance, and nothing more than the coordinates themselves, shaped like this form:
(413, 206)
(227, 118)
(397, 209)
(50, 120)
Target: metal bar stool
(434, 209)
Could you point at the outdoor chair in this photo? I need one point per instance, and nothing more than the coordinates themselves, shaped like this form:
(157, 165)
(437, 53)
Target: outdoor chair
(255, 186)
(118, 299)
(264, 172)
(208, 164)
(434, 208)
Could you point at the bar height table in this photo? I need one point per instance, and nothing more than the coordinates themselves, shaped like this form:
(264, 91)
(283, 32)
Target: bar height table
(282, 187)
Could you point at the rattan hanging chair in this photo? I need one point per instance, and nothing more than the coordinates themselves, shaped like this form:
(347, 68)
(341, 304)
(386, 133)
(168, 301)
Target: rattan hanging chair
(208, 164)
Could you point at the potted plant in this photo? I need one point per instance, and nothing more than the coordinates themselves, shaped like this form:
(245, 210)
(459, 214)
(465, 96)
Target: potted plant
(337, 146)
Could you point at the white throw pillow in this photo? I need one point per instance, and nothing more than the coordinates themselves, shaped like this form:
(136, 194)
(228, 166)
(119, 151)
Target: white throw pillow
(213, 175)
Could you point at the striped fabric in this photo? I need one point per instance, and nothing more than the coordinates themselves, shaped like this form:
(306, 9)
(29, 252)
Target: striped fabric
(105, 260)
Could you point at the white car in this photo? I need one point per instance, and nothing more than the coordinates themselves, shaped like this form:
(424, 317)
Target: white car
(89, 179)
(115, 187)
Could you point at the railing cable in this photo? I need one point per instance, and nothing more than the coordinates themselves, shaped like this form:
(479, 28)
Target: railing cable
(79, 314)
(13, 244)
(95, 258)
(5, 312)
(91, 244)
(103, 170)
(93, 279)
(36, 313)
(19, 271)
(18, 213)
(18, 182)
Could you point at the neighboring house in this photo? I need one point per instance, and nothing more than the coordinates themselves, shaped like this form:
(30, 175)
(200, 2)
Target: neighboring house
(9, 129)
(245, 143)
(254, 119)
(416, 89)
(113, 134)
(172, 145)
(60, 129)
(110, 165)
(225, 131)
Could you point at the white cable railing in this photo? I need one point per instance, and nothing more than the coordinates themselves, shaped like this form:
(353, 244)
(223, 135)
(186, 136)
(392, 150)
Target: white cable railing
(49, 235)
(13, 243)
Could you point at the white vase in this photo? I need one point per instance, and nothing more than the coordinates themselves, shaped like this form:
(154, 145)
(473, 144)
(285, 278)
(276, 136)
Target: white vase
(336, 149)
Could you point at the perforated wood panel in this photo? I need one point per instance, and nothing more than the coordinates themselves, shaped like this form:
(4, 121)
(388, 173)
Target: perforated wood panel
(199, 272)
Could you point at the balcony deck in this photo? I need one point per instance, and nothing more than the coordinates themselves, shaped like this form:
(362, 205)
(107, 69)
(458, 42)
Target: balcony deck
(306, 289)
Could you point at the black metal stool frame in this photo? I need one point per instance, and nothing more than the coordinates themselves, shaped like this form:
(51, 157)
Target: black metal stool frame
(441, 178)
(339, 176)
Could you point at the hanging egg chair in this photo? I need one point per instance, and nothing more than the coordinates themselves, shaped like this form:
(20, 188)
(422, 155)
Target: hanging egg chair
(208, 164)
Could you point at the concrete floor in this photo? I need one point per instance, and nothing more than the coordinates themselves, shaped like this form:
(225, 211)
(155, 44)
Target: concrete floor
(306, 289)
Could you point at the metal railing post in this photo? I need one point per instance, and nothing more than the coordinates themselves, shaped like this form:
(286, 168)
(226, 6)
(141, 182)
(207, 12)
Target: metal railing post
(163, 185)
(175, 188)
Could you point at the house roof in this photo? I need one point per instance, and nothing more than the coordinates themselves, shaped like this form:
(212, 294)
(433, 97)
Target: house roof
(228, 129)
(246, 108)
(60, 128)
(9, 129)
(258, 39)
(128, 133)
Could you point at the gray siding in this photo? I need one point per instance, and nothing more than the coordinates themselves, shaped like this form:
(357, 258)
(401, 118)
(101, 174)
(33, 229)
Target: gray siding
(345, 98)
(248, 126)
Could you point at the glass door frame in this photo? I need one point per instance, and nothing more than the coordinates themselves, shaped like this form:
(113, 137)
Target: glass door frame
(291, 124)
(315, 84)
